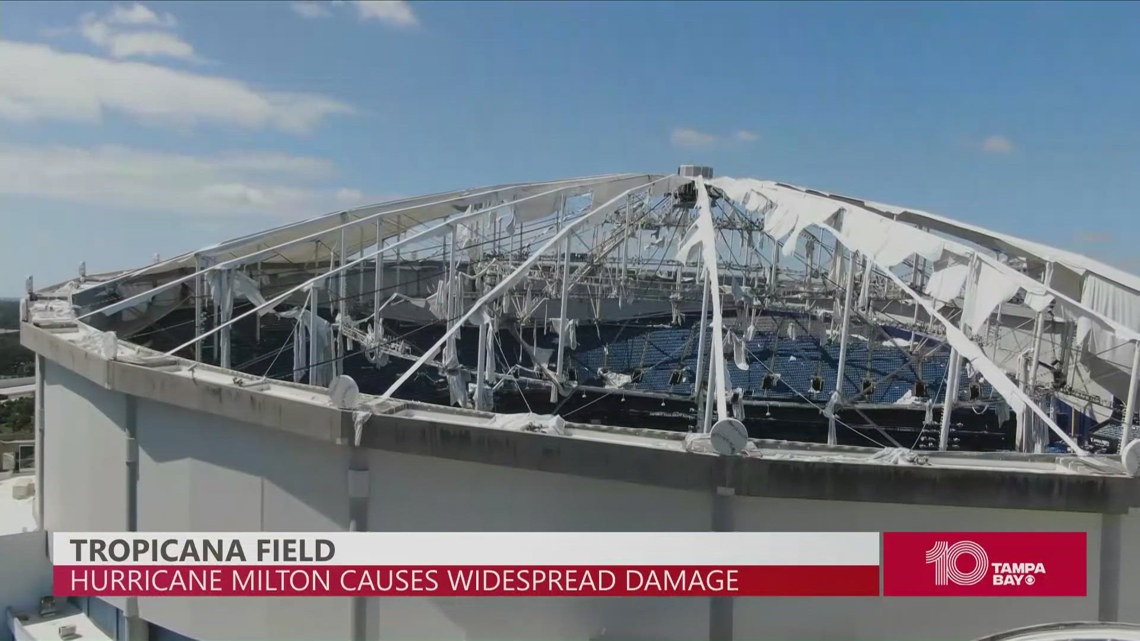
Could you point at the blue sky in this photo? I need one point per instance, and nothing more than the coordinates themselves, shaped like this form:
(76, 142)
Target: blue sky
(128, 130)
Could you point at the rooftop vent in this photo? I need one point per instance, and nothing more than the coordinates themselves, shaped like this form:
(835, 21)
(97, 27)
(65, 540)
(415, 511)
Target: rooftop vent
(47, 606)
(692, 171)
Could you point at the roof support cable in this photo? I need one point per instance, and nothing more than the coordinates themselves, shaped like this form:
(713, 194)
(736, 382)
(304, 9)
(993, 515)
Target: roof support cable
(520, 272)
(429, 232)
(385, 211)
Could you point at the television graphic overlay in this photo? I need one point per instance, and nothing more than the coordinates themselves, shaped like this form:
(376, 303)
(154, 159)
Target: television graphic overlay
(1033, 564)
(467, 564)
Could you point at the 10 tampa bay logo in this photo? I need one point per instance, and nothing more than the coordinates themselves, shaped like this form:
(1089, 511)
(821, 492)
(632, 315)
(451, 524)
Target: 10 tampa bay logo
(966, 563)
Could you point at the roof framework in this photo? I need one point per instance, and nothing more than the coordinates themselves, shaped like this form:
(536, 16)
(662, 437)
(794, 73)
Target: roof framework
(687, 242)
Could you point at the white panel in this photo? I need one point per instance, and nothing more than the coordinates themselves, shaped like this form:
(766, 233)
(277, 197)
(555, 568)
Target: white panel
(234, 476)
(306, 485)
(411, 493)
(419, 493)
(200, 472)
(538, 619)
(84, 432)
(413, 619)
(1118, 303)
(164, 478)
(304, 619)
(1130, 567)
(909, 619)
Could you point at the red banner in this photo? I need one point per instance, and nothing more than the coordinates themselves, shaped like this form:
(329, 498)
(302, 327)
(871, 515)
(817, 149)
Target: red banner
(985, 564)
(328, 580)
(1031, 564)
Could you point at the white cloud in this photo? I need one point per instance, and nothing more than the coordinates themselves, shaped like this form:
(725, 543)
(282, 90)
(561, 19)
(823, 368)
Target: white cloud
(118, 33)
(997, 145)
(397, 13)
(141, 44)
(147, 181)
(40, 83)
(743, 135)
(138, 14)
(311, 9)
(692, 138)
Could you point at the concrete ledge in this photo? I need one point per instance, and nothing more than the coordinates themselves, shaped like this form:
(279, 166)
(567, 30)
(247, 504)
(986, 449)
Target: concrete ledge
(755, 476)
(608, 460)
(178, 389)
(233, 402)
(63, 352)
(1001, 489)
(545, 453)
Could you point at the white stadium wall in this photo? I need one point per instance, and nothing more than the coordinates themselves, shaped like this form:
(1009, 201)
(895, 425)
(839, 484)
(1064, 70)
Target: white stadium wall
(456, 496)
(85, 484)
(199, 471)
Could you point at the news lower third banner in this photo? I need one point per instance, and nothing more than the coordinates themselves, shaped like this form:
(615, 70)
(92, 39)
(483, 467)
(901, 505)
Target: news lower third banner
(619, 564)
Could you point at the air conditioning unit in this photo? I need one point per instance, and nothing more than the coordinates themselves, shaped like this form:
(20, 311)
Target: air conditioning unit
(23, 491)
(68, 632)
(692, 171)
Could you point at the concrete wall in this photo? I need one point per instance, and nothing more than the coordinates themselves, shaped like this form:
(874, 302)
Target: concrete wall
(201, 472)
(84, 454)
(198, 472)
(25, 574)
(415, 493)
(195, 472)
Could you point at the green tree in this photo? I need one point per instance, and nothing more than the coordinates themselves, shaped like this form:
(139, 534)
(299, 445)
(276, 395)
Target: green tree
(9, 313)
(17, 415)
(15, 359)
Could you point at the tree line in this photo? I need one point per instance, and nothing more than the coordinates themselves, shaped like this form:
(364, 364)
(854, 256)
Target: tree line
(16, 415)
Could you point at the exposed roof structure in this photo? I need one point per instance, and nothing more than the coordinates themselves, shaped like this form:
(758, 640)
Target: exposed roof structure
(527, 266)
